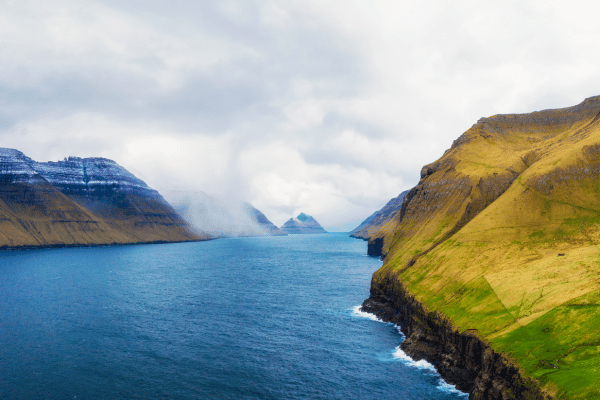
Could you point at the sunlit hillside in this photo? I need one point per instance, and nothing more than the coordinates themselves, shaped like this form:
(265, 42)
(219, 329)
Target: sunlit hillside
(501, 235)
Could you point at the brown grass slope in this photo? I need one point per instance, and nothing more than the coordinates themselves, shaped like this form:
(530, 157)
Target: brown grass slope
(37, 214)
(501, 235)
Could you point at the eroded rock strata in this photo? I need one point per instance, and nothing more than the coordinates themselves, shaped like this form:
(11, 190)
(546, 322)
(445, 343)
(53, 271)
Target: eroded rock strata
(462, 359)
(500, 239)
(81, 202)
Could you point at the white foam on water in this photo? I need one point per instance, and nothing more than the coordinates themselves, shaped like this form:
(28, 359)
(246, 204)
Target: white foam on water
(448, 388)
(359, 313)
(400, 355)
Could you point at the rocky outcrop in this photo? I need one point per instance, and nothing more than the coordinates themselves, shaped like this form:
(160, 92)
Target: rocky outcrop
(81, 202)
(378, 218)
(462, 358)
(302, 224)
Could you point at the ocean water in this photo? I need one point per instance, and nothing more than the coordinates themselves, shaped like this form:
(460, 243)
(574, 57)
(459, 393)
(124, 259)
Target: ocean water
(243, 318)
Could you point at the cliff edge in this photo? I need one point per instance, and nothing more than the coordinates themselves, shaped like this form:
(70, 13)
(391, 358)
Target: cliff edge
(499, 239)
(81, 202)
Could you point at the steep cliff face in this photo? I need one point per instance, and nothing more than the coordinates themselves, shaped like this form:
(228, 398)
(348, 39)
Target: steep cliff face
(501, 236)
(464, 359)
(81, 202)
(302, 224)
(378, 218)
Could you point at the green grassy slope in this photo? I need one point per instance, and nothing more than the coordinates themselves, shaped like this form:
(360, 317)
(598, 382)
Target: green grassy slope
(502, 235)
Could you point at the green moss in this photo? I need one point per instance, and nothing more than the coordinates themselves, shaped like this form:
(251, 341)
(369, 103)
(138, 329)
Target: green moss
(563, 347)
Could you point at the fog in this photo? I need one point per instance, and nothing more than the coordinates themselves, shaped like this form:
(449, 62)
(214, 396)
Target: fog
(218, 217)
(324, 107)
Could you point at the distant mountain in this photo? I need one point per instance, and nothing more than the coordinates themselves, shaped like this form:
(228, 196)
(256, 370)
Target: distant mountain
(81, 201)
(302, 224)
(378, 218)
(223, 218)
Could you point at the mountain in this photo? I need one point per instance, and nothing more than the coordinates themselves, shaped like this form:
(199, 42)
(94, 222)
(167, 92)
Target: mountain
(378, 218)
(81, 201)
(492, 265)
(302, 224)
(223, 218)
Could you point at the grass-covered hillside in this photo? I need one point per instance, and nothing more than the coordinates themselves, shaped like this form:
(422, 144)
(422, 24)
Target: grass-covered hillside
(502, 235)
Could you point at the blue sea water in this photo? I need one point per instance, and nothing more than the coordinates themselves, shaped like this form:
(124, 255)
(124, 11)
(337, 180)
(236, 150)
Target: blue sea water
(243, 318)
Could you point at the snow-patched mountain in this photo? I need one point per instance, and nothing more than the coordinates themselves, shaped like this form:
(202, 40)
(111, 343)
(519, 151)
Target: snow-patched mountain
(303, 223)
(81, 201)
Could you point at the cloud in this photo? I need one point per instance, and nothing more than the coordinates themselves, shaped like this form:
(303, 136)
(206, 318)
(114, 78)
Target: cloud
(326, 107)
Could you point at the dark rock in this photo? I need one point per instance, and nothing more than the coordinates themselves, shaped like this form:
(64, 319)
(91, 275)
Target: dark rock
(463, 359)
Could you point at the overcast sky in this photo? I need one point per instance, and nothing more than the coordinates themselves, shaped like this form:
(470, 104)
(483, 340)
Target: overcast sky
(330, 107)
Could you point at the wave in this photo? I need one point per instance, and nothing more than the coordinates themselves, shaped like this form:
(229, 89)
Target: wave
(360, 313)
(400, 355)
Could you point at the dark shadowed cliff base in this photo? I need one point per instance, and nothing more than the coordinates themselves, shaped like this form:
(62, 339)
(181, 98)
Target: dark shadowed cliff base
(463, 359)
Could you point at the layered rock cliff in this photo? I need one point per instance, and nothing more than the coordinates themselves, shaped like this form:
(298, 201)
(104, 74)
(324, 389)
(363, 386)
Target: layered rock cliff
(302, 224)
(90, 201)
(500, 238)
(378, 218)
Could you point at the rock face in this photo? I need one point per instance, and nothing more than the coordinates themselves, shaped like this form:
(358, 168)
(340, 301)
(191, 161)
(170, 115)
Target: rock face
(500, 240)
(223, 218)
(463, 359)
(378, 218)
(77, 201)
(302, 224)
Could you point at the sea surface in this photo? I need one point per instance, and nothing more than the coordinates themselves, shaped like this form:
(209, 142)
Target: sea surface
(243, 318)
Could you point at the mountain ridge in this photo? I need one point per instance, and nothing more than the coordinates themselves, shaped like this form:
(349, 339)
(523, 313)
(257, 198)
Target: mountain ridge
(60, 204)
(378, 218)
(302, 224)
(501, 237)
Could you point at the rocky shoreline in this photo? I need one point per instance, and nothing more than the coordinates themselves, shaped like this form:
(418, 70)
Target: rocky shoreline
(462, 359)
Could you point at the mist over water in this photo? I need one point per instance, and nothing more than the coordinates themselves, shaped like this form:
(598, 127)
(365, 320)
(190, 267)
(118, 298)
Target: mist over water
(240, 318)
(217, 216)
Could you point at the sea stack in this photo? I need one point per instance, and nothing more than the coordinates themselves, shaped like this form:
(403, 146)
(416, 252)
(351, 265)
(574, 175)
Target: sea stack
(303, 223)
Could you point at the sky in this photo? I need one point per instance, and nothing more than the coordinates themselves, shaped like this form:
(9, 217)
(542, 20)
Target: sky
(328, 107)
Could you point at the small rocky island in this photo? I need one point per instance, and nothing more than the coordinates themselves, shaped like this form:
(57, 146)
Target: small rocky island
(303, 223)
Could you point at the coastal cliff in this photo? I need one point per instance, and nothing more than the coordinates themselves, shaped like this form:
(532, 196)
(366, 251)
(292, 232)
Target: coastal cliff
(463, 359)
(81, 202)
(378, 218)
(497, 247)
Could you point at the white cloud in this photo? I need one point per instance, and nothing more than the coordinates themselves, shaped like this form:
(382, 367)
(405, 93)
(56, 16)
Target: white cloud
(328, 107)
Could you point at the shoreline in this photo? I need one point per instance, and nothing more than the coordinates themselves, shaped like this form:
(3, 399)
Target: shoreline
(462, 359)
(76, 245)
